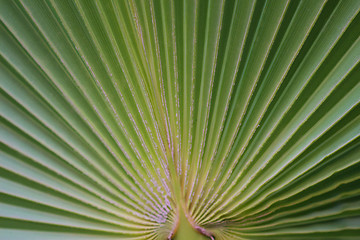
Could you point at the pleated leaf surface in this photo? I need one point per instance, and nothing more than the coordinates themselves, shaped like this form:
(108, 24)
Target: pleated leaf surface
(194, 119)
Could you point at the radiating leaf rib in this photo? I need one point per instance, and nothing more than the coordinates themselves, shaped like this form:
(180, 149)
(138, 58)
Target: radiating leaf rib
(188, 17)
(301, 33)
(211, 44)
(37, 85)
(233, 52)
(221, 157)
(305, 166)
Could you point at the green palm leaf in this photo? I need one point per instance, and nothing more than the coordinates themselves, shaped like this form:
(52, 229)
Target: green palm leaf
(180, 119)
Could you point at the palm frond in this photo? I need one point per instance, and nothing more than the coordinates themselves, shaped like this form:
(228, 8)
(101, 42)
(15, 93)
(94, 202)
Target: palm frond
(180, 119)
